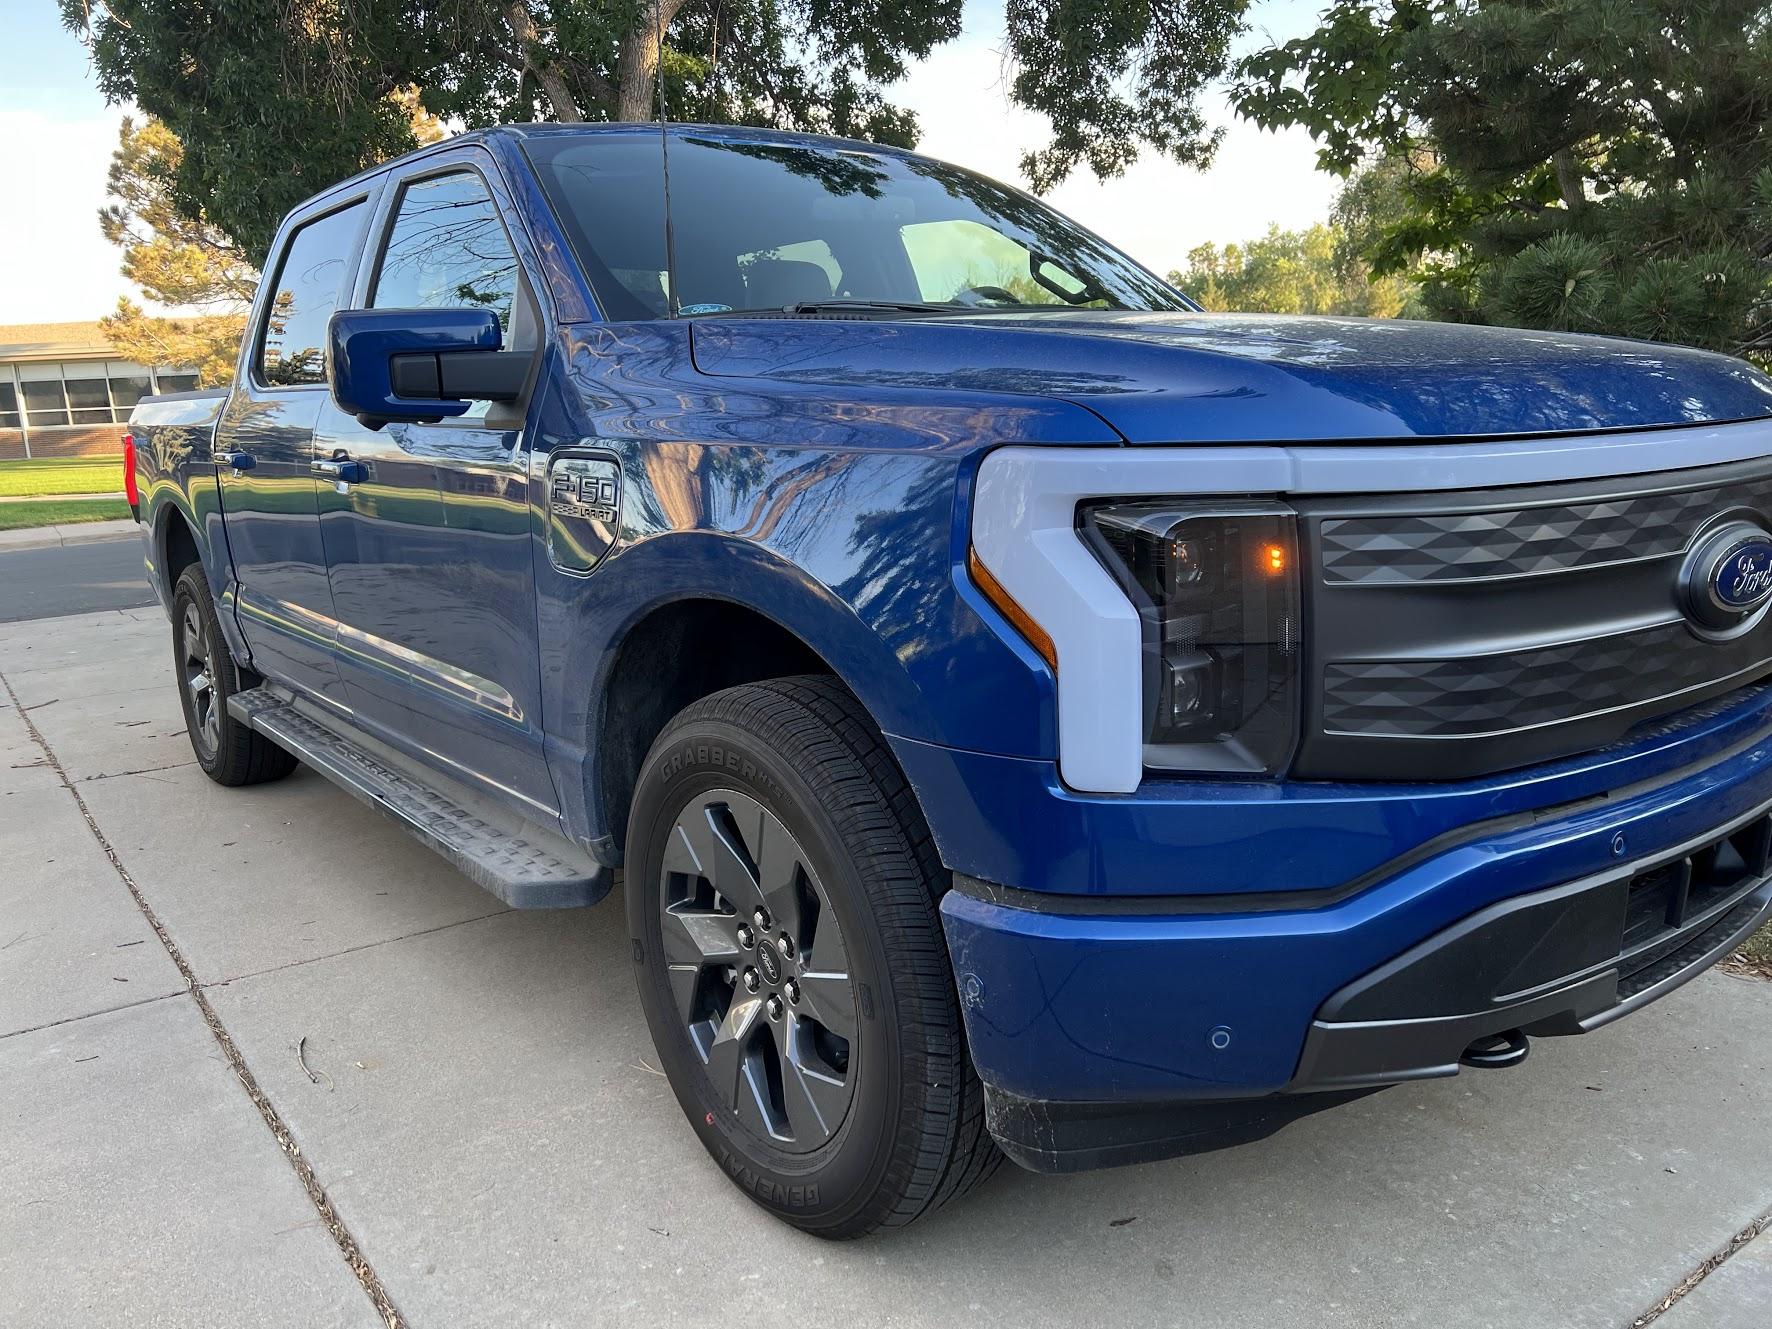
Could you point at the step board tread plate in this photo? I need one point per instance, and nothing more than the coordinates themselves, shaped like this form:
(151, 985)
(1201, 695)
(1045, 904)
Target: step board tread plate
(519, 866)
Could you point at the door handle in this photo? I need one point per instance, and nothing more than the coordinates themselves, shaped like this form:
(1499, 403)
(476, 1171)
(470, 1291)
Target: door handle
(342, 470)
(236, 461)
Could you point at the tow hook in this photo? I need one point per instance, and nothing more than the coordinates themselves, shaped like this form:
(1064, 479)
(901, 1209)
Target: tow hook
(1496, 1051)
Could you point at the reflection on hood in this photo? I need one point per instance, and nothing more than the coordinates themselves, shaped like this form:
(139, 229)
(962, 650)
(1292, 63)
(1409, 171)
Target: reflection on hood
(1183, 377)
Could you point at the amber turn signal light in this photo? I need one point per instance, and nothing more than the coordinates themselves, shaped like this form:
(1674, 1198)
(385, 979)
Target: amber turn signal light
(1005, 604)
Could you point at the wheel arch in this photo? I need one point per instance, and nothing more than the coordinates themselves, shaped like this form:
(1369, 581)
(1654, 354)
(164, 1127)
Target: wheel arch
(741, 624)
(175, 545)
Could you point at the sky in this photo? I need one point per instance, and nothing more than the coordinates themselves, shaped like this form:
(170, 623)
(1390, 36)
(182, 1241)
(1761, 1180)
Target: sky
(57, 133)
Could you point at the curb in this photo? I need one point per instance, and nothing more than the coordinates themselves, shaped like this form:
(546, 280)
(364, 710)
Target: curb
(81, 533)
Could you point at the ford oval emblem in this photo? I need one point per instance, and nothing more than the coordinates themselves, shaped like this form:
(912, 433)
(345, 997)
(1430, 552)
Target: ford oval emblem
(1742, 577)
(1726, 582)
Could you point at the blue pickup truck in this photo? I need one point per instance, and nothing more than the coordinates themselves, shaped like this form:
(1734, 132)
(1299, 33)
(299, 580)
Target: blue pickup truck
(1028, 715)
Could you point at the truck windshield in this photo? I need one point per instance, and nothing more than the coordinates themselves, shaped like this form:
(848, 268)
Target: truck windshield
(768, 226)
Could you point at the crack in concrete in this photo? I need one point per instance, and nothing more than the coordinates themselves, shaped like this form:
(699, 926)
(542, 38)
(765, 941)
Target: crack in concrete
(353, 950)
(89, 1015)
(145, 770)
(1709, 1266)
(304, 1171)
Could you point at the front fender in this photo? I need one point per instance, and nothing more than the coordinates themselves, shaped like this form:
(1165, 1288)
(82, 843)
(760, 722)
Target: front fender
(712, 565)
(858, 555)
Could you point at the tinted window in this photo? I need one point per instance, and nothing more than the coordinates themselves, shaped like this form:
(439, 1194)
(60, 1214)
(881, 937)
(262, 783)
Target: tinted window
(447, 250)
(43, 394)
(310, 282)
(770, 223)
(129, 384)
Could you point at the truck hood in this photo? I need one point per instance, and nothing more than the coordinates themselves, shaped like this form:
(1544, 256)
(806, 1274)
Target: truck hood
(1220, 378)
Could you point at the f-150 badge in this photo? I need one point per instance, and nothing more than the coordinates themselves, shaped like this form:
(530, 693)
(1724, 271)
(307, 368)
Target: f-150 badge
(584, 510)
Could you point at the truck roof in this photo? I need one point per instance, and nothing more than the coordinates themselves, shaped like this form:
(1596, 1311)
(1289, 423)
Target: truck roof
(613, 129)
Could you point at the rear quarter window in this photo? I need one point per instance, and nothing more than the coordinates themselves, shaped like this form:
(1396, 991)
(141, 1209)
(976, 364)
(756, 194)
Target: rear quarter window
(311, 280)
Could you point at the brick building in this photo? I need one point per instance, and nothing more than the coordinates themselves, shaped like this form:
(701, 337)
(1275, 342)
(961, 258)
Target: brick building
(63, 392)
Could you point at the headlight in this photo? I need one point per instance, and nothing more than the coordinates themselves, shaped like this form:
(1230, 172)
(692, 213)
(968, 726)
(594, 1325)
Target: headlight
(1216, 585)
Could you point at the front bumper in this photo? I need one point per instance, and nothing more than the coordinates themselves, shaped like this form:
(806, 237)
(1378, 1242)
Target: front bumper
(1112, 1030)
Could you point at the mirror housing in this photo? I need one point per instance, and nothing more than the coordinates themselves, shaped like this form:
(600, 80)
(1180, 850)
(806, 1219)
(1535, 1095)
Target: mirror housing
(419, 365)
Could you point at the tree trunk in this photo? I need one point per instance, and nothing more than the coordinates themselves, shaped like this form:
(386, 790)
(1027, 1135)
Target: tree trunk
(1570, 182)
(636, 65)
(538, 62)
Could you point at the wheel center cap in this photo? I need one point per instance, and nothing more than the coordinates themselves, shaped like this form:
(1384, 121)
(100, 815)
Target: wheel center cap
(769, 962)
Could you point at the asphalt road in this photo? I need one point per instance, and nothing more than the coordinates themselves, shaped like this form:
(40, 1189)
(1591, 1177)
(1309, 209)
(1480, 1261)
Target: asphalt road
(76, 579)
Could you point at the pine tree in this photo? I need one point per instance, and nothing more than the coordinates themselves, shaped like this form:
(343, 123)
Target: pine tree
(175, 260)
(1588, 165)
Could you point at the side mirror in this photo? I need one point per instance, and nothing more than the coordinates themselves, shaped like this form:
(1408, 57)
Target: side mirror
(419, 364)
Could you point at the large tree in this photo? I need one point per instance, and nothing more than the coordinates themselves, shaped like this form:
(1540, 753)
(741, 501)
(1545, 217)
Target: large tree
(175, 260)
(274, 99)
(1597, 165)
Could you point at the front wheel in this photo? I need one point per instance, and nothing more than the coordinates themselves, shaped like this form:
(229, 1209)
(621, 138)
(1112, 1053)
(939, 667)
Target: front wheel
(781, 892)
(229, 752)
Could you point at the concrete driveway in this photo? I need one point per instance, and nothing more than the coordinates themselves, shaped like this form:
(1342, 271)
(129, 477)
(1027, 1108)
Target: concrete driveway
(264, 1060)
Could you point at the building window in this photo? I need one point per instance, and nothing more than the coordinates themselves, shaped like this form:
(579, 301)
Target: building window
(45, 402)
(89, 400)
(129, 384)
(82, 392)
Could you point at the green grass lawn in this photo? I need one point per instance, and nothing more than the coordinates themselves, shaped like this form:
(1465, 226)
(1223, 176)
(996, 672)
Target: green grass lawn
(60, 512)
(72, 475)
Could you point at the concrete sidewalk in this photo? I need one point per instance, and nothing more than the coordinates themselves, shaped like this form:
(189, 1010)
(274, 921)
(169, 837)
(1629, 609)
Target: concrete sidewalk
(477, 1100)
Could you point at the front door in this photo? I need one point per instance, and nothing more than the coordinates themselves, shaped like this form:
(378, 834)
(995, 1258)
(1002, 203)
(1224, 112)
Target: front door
(426, 530)
(282, 598)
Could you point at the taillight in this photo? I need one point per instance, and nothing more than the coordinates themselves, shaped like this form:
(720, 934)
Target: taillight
(131, 490)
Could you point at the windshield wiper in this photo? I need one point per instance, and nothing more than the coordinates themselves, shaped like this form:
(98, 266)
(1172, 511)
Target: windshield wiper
(812, 308)
(837, 306)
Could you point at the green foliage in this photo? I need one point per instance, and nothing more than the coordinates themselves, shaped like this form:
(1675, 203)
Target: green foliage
(1111, 75)
(275, 99)
(1291, 272)
(271, 99)
(1565, 282)
(1599, 165)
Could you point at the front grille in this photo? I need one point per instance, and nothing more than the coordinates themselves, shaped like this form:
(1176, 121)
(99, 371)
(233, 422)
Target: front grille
(1490, 694)
(1399, 548)
(1457, 635)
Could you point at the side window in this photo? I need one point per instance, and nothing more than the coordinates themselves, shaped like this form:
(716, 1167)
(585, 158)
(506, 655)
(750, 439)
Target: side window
(447, 250)
(312, 278)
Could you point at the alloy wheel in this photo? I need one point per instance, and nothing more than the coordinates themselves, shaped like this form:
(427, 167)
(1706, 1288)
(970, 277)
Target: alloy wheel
(759, 970)
(199, 681)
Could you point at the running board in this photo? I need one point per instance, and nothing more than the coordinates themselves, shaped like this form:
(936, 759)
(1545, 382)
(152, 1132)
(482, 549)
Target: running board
(526, 866)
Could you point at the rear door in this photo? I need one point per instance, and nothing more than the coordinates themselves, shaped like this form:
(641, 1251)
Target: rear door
(428, 548)
(265, 451)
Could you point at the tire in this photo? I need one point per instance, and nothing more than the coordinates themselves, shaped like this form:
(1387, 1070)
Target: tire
(838, 1119)
(229, 752)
